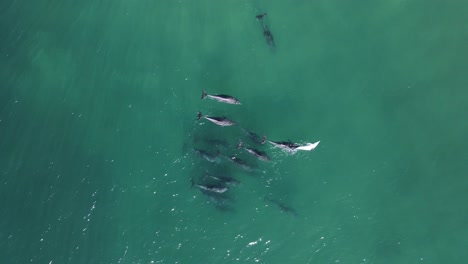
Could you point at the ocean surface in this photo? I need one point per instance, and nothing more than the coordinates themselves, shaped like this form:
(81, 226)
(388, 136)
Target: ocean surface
(99, 142)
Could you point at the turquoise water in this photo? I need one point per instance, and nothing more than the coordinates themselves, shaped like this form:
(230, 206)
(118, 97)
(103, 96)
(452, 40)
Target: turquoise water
(98, 101)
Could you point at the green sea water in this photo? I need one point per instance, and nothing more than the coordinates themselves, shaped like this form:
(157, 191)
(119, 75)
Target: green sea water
(98, 101)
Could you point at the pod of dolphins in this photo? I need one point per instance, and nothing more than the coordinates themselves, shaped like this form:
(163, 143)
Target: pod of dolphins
(215, 185)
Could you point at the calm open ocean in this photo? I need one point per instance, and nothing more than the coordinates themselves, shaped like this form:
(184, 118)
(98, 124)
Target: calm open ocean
(100, 146)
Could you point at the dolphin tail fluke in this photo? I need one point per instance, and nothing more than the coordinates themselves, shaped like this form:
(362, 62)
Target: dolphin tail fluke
(199, 115)
(260, 17)
(203, 94)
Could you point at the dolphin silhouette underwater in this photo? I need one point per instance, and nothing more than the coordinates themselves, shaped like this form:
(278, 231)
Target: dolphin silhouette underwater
(266, 31)
(261, 155)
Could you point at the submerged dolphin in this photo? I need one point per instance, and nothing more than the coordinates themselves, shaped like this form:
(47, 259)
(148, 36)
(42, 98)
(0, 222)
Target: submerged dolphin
(239, 162)
(290, 146)
(229, 181)
(220, 121)
(210, 188)
(266, 31)
(219, 143)
(221, 201)
(252, 135)
(214, 142)
(283, 208)
(206, 155)
(223, 98)
(261, 155)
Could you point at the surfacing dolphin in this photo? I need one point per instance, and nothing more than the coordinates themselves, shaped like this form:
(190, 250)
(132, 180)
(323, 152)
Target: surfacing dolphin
(290, 146)
(266, 31)
(223, 98)
(220, 121)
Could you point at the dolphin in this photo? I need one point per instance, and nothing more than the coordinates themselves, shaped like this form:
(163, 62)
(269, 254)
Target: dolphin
(206, 155)
(284, 208)
(218, 143)
(268, 36)
(261, 155)
(239, 162)
(266, 31)
(229, 181)
(284, 145)
(291, 147)
(210, 188)
(252, 135)
(221, 201)
(220, 121)
(223, 98)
